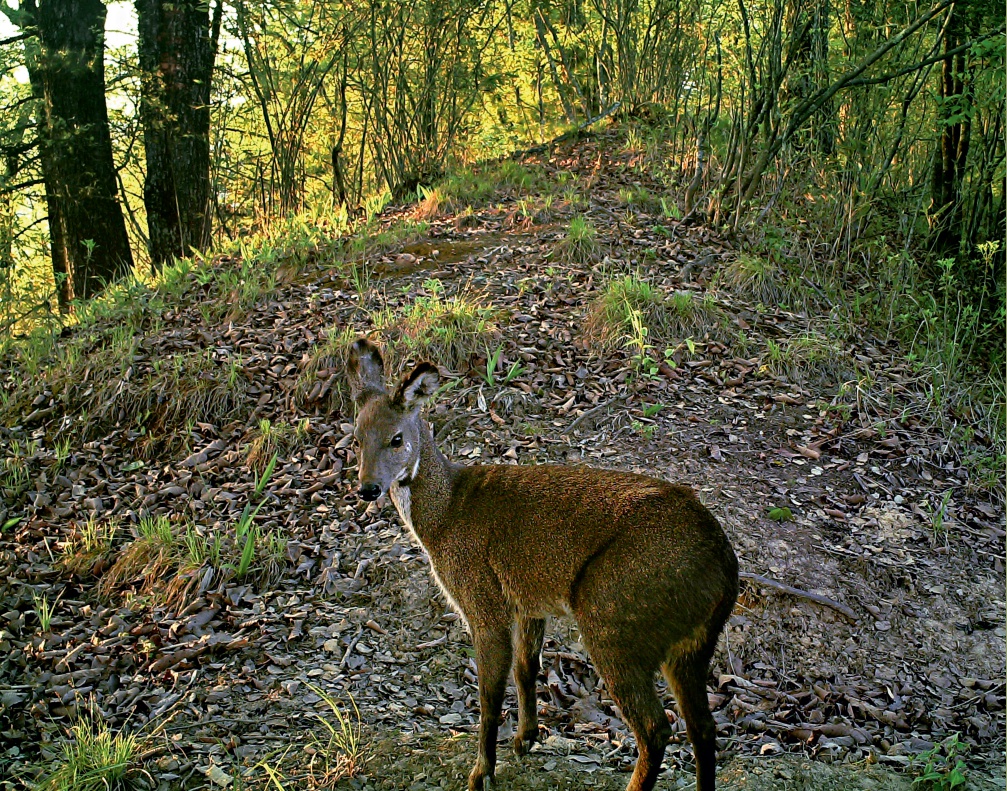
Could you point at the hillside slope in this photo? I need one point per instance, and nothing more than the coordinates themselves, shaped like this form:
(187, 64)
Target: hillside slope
(209, 599)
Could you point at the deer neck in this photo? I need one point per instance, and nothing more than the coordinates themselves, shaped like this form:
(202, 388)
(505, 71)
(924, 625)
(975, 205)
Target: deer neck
(422, 499)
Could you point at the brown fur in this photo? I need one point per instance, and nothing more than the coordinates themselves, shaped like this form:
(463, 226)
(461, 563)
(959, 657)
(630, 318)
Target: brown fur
(641, 564)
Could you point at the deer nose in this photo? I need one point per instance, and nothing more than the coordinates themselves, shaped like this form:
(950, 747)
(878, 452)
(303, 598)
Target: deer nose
(370, 492)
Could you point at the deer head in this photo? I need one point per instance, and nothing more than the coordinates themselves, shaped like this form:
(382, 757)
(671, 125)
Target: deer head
(388, 427)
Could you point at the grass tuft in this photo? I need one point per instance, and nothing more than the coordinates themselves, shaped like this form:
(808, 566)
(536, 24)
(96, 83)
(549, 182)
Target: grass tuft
(633, 314)
(96, 760)
(810, 357)
(447, 330)
(321, 382)
(147, 560)
(89, 548)
(755, 276)
(268, 439)
(580, 245)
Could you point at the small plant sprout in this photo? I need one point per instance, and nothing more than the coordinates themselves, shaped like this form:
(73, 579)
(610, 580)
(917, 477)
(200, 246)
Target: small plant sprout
(938, 518)
(251, 537)
(434, 286)
(45, 609)
(781, 514)
(492, 361)
(262, 481)
(943, 769)
(515, 370)
(62, 451)
(644, 430)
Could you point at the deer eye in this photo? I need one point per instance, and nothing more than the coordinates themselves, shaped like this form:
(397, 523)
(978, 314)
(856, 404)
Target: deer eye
(396, 441)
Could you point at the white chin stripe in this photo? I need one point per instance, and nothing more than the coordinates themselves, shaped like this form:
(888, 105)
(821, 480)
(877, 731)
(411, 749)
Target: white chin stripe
(405, 475)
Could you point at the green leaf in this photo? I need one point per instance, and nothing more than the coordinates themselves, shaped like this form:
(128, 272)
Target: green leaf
(10, 523)
(652, 409)
(783, 514)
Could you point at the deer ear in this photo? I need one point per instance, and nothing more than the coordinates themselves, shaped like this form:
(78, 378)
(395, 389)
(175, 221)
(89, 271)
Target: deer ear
(365, 371)
(417, 387)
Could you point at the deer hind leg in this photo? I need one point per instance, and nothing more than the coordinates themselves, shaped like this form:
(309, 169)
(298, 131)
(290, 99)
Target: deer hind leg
(686, 674)
(493, 659)
(527, 660)
(633, 689)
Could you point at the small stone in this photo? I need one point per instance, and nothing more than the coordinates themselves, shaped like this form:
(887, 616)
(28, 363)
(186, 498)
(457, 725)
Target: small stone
(899, 499)
(450, 719)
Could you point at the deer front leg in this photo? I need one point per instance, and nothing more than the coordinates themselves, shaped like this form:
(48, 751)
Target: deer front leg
(493, 660)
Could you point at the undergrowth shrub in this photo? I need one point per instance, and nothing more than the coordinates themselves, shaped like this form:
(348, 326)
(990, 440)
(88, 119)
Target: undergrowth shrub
(174, 562)
(477, 186)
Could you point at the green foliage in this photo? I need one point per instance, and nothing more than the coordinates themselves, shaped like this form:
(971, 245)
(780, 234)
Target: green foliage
(942, 767)
(44, 610)
(91, 543)
(938, 517)
(810, 356)
(781, 514)
(630, 312)
(157, 530)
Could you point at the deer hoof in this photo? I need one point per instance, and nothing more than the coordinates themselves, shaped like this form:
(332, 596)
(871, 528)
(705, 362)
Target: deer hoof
(524, 742)
(479, 779)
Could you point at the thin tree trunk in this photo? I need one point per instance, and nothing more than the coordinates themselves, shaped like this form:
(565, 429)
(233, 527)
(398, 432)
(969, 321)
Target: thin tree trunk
(57, 246)
(177, 48)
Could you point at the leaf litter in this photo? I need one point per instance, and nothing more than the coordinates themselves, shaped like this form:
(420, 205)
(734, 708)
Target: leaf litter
(223, 674)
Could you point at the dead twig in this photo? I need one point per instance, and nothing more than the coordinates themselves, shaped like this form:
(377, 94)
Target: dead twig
(824, 600)
(592, 411)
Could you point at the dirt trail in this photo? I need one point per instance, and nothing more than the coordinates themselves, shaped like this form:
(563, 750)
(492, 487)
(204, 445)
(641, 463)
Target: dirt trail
(223, 675)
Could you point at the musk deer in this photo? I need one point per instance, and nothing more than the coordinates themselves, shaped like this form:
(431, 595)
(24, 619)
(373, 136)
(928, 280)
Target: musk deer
(641, 564)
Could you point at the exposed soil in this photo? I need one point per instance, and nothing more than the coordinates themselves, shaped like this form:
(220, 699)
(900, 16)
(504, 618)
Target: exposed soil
(224, 674)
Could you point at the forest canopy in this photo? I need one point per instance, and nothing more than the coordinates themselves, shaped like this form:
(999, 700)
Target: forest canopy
(136, 134)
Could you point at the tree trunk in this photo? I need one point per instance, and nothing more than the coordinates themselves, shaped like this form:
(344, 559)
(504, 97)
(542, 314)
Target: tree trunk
(77, 149)
(57, 246)
(953, 143)
(177, 47)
